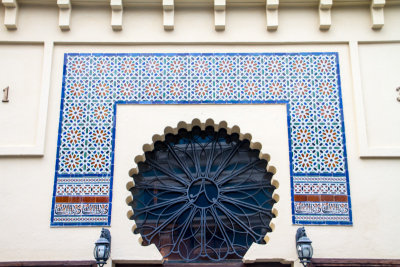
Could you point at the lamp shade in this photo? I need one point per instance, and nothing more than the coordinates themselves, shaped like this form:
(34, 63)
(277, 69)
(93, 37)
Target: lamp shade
(102, 248)
(303, 246)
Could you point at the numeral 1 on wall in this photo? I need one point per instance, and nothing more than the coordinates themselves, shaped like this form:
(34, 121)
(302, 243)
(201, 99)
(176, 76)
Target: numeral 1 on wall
(5, 94)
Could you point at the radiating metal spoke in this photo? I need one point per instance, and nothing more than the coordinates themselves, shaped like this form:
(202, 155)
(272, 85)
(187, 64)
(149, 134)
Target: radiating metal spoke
(184, 228)
(211, 155)
(161, 205)
(238, 172)
(187, 154)
(226, 160)
(167, 221)
(222, 228)
(239, 222)
(195, 157)
(181, 164)
(165, 171)
(244, 188)
(202, 232)
(246, 205)
(160, 187)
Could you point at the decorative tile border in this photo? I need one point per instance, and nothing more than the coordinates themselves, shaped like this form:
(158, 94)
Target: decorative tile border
(94, 84)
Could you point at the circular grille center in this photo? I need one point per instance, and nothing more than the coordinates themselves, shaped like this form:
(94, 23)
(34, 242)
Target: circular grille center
(203, 193)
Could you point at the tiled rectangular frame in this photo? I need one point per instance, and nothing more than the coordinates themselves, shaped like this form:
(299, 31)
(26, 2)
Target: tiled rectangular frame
(94, 84)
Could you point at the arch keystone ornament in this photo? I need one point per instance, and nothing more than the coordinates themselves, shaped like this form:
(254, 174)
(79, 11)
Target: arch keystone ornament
(203, 193)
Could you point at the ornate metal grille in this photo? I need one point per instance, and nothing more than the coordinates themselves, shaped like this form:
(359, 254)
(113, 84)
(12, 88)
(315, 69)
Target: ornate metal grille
(202, 195)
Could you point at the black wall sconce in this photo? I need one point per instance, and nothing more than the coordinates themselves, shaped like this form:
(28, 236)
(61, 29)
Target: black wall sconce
(102, 248)
(303, 246)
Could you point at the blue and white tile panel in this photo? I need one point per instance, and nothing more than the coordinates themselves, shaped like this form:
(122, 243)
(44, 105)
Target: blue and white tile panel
(93, 84)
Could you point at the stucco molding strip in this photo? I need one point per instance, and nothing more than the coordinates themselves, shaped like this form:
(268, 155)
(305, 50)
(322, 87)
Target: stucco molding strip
(365, 151)
(44, 97)
(329, 262)
(64, 18)
(377, 16)
(206, 3)
(358, 100)
(116, 14)
(10, 14)
(89, 263)
(168, 14)
(38, 148)
(325, 20)
(272, 14)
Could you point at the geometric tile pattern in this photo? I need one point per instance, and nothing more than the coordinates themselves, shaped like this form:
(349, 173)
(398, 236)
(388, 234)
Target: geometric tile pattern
(308, 83)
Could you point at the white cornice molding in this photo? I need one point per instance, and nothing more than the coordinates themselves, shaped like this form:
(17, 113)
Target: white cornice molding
(220, 10)
(210, 3)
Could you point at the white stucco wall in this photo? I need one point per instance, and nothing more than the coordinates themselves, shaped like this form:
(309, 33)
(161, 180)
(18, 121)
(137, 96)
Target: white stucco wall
(371, 119)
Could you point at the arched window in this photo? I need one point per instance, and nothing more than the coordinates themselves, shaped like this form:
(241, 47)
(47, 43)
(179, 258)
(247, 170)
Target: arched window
(202, 195)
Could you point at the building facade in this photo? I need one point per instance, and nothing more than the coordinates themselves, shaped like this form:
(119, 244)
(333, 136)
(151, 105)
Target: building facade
(158, 119)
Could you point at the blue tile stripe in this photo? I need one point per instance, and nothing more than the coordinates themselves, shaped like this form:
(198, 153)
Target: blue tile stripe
(94, 84)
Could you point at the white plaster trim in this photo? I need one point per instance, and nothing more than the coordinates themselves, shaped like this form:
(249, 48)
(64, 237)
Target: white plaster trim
(219, 14)
(64, 18)
(365, 151)
(377, 15)
(271, 10)
(376, 10)
(37, 149)
(203, 3)
(168, 14)
(325, 20)
(10, 3)
(198, 42)
(10, 14)
(116, 4)
(116, 14)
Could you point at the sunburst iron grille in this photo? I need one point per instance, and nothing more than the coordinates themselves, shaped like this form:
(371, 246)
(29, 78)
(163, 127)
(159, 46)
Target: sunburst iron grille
(202, 195)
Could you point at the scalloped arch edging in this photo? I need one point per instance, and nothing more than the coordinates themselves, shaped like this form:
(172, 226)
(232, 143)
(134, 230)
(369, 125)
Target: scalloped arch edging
(159, 184)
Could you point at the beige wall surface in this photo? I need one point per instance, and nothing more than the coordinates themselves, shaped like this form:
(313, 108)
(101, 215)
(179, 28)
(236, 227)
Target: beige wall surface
(380, 95)
(21, 71)
(26, 183)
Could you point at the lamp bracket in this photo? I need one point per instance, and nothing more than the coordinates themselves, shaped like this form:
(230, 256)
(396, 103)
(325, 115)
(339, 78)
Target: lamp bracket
(105, 233)
(300, 233)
